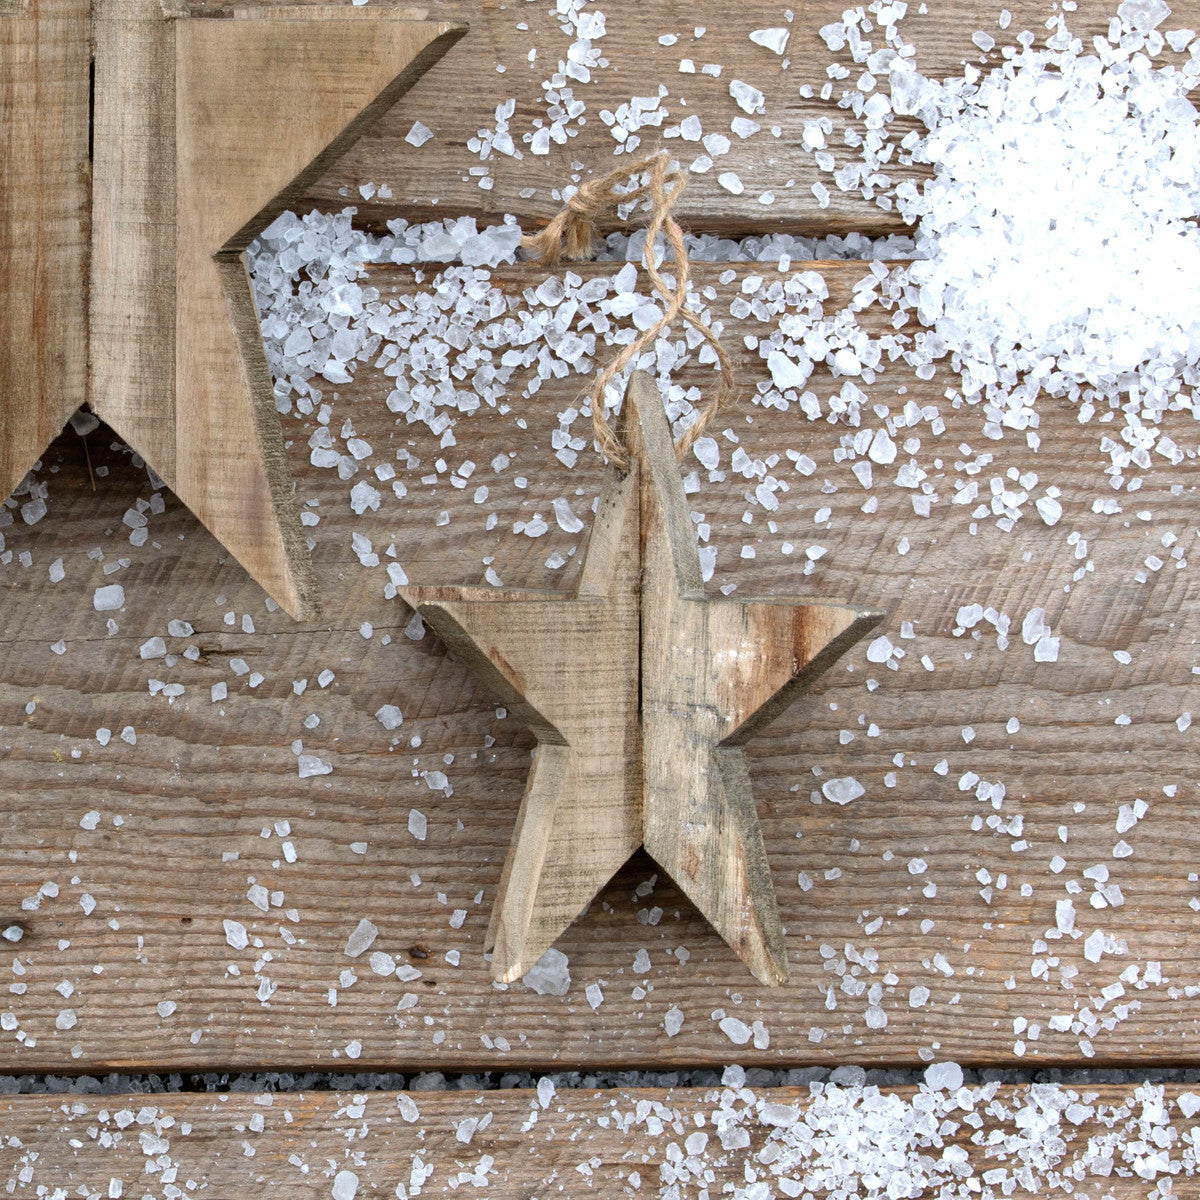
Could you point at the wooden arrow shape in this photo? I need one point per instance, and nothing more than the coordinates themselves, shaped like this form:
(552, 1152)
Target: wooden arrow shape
(205, 130)
(641, 691)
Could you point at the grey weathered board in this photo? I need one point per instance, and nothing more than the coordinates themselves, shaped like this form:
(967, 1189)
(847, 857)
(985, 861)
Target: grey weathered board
(204, 779)
(434, 180)
(571, 1144)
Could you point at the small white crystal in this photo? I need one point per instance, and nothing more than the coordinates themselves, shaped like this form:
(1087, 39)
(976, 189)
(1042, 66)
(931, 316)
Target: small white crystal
(109, 598)
(361, 938)
(842, 790)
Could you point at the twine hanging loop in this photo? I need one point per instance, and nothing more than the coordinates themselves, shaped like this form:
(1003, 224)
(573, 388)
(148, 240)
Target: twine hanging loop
(574, 233)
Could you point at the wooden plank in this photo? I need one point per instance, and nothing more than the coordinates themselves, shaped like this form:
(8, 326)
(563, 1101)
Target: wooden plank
(205, 779)
(134, 197)
(436, 180)
(1026, 1140)
(43, 225)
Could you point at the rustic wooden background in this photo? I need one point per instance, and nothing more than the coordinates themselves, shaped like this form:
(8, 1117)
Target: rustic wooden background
(180, 838)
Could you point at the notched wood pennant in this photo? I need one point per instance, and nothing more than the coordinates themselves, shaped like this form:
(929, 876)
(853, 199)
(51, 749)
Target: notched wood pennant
(123, 279)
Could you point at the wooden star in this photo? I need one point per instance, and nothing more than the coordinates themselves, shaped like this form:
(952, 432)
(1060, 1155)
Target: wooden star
(201, 131)
(641, 692)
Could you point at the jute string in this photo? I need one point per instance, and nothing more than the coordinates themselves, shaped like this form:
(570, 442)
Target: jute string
(573, 234)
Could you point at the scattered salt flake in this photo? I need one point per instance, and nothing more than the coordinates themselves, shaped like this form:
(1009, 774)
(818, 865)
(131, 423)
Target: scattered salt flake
(418, 135)
(33, 511)
(418, 826)
(880, 650)
(361, 938)
(708, 452)
(731, 182)
(389, 716)
(309, 765)
(882, 449)
(363, 497)
(842, 790)
(785, 373)
(748, 98)
(1050, 509)
(1093, 946)
(673, 1021)
(235, 934)
(944, 1077)
(775, 39)
(568, 522)
(735, 1029)
(1046, 649)
(345, 1185)
(109, 598)
(550, 975)
(89, 820)
(1143, 15)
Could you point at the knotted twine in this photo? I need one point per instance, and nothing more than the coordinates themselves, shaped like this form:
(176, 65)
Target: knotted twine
(573, 234)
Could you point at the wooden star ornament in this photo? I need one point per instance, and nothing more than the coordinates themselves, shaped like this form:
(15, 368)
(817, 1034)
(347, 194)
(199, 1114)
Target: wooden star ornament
(641, 691)
(125, 209)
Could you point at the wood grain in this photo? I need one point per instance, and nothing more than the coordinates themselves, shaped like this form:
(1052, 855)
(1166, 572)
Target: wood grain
(43, 225)
(443, 177)
(206, 778)
(134, 241)
(573, 1143)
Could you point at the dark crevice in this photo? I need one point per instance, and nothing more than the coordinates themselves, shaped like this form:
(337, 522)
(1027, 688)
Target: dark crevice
(91, 109)
(166, 1083)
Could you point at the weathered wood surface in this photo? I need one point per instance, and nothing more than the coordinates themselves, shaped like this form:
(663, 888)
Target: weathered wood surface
(43, 225)
(206, 131)
(569, 1143)
(205, 779)
(436, 179)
